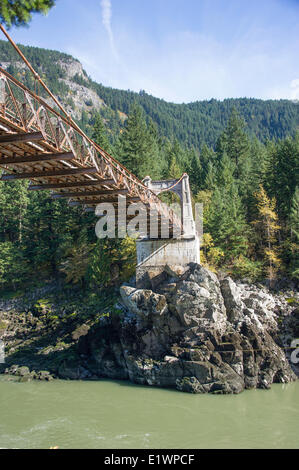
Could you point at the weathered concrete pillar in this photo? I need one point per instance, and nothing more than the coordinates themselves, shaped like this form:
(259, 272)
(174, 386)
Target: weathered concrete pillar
(154, 255)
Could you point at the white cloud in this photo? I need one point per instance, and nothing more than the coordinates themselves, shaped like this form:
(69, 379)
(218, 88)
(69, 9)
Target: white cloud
(295, 89)
(288, 90)
(106, 7)
(230, 50)
(184, 66)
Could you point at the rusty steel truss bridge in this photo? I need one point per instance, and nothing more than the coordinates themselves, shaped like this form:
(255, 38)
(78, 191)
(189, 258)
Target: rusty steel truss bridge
(43, 144)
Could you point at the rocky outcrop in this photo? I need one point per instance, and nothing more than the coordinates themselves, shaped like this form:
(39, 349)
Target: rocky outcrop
(197, 334)
(82, 99)
(192, 331)
(78, 97)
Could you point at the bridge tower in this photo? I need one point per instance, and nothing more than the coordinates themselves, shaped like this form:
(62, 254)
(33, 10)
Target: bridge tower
(153, 255)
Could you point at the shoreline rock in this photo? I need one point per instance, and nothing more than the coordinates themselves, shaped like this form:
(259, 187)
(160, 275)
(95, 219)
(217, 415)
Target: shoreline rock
(193, 332)
(25, 375)
(199, 335)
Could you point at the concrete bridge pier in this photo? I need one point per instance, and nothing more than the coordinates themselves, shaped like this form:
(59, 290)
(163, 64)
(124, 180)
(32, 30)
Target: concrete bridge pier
(153, 255)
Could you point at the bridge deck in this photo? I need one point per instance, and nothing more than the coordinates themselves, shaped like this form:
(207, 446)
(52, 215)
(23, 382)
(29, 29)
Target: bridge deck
(39, 144)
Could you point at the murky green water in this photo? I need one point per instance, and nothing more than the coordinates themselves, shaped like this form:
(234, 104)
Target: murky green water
(107, 414)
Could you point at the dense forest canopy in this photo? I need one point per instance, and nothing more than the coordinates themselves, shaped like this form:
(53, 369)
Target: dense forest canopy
(242, 157)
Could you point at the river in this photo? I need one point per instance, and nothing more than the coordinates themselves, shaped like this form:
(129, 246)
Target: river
(109, 414)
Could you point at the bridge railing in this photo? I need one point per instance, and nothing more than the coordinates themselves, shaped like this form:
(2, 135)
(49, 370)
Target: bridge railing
(27, 112)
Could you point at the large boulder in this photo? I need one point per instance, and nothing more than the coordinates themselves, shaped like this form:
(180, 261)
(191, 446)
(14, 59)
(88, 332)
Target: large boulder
(232, 299)
(196, 299)
(145, 304)
(195, 333)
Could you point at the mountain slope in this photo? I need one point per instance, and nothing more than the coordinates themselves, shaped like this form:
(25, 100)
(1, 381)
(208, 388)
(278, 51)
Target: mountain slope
(192, 124)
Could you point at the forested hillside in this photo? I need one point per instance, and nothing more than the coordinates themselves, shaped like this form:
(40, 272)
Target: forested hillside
(192, 124)
(242, 157)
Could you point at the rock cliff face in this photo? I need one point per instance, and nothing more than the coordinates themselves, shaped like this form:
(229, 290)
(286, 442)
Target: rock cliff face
(197, 334)
(82, 96)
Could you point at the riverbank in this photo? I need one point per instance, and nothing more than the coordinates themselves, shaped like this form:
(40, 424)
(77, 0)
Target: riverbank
(193, 332)
(41, 328)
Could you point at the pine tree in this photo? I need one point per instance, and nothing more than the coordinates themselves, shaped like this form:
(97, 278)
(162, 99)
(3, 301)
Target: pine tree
(226, 222)
(210, 182)
(174, 171)
(259, 174)
(234, 141)
(51, 229)
(267, 167)
(195, 172)
(19, 12)
(225, 177)
(293, 246)
(286, 174)
(137, 147)
(207, 156)
(172, 152)
(13, 208)
(14, 268)
(99, 134)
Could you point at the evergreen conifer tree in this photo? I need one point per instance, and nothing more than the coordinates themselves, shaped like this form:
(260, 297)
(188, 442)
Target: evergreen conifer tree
(99, 134)
(137, 147)
(19, 12)
(294, 242)
(286, 174)
(226, 222)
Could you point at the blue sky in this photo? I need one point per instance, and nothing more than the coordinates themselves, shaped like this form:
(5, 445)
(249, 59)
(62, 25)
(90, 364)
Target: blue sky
(179, 50)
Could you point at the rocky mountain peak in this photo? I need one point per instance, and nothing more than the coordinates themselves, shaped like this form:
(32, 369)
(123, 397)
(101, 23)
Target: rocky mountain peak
(72, 67)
